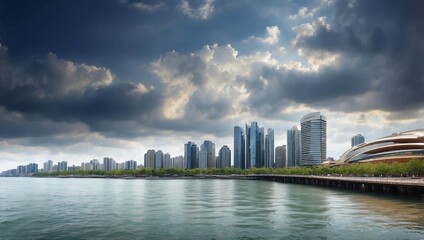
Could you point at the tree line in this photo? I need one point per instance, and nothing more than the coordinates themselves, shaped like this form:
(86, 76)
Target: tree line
(414, 167)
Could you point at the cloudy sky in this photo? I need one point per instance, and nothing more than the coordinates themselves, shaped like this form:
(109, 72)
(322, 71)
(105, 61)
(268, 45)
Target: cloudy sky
(87, 79)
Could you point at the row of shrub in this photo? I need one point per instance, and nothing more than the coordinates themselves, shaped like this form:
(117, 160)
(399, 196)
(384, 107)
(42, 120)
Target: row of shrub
(414, 167)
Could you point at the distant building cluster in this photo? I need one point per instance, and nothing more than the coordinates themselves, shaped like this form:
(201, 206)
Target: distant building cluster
(253, 148)
(305, 147)
(108, 164)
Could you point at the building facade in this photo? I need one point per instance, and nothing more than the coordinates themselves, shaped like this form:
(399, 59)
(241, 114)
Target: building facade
(293, 147)
(224, 157)
(280, 157)
(191, 155)
(254, 153)
(159, 159)
(399, 147)
(209, 147)
(149, 158)
(269, 148)
(239, 148)
(313, 137)
(357, 139)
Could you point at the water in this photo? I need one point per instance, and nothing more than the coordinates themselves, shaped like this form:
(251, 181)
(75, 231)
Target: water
(42, 208)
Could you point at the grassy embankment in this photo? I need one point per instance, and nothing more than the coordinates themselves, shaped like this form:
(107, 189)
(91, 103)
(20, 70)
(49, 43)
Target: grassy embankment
(414, 167)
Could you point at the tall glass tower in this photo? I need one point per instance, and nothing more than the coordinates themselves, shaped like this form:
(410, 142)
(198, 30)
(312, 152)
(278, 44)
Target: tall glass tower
(269, 148)
(209, 147)
(191, 155)
(293, 147)
(254, 153)
(313, 136)
(239, 148)
(357, 139)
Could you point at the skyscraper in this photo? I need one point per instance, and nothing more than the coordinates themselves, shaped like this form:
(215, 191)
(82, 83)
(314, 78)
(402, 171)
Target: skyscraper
(191, 155)
(209, 147)
(293, 147)
(280, 156)
(149, 159)
(239, 148)
(48, 166)
(269, 148)
(313, 137)
(159, 159)
(254, 153)
(224, 157)
(357, 139)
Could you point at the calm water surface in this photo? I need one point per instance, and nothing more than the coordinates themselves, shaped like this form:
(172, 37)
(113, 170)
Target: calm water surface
(43, 208)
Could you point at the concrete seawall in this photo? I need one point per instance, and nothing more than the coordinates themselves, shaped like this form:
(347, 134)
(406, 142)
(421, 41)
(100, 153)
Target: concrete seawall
(410, 186)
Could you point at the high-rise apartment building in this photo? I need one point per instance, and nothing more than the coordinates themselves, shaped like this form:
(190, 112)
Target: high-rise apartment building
(357, 139)
(62, 166)
(167, 162)
(178, 162)
(191, 155)
(209, 147)
(96, 164)
(109, 164)
(239, 148)
(313, 137)
(48, 166)
(224, 157)
(280, 157)
(293, 147)
(149, 158)
(269, 148)
(130, 165)
(159, 159)
(203, 159)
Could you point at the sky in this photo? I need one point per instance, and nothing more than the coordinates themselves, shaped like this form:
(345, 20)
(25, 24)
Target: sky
(82, 80)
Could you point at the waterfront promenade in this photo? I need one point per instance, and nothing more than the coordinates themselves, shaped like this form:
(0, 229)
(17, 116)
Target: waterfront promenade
(403, 185)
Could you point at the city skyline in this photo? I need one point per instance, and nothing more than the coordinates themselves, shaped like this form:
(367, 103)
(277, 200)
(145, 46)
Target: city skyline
(122, 77)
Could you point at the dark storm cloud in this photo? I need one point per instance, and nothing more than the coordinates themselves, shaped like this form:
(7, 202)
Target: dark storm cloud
(387, 37)
(380, 49)
(61, 91)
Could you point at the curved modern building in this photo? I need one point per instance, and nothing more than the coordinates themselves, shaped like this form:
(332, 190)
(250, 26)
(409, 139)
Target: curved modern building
(313, 138)
(400, 147)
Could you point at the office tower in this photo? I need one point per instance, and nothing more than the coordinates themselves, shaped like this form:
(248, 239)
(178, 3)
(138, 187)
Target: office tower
(209, 147)
(167, 163)
(96, 164)
(62, 166)
(313, 137)
(178, 162)
(261, 162)
(239, 148)
(130, 164)
(224, 158)
(203, 159)
(159, 159)
(149, 158)
(280, 157)
(191, 155)
(109, 164)
(254, 153)
(269, 148)
(357, 139)
(293, 147)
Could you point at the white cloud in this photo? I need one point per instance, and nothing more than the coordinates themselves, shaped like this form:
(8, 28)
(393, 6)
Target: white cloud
(204, 11)
(211, 71)
(145, 6)
(271, 37)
